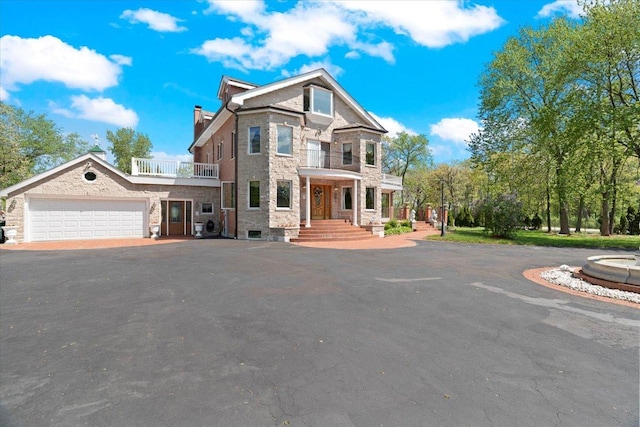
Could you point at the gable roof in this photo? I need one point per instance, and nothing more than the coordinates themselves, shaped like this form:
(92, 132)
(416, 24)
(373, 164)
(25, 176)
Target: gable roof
(44, 175)
(237, 101)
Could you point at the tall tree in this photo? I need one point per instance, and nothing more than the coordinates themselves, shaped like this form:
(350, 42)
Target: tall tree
(530, 84)
(609, 63)
(31, 143)
(405, 152)
(126, 144)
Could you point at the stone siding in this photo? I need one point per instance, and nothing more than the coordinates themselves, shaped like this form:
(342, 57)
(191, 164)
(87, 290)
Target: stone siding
(70, 184)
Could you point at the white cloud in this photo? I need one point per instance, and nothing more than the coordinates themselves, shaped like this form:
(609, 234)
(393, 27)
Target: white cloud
(24, 61)
(392, 125)
(456, 130)
(157, 21)
(121, 59)
(430, 23)
(161, 155)
(239, 7)
(570, 7)
(4, 95)
(100, 109)
(332, 69)
(271, 39)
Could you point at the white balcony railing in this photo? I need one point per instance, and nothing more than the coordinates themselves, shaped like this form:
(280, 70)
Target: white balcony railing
(391, 179)
(173, 169)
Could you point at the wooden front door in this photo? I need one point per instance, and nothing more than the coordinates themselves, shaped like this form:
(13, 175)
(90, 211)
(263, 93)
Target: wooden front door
(176, 218)
(320, 201)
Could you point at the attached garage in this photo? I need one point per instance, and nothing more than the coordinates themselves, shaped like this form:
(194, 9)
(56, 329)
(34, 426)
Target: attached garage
(69, 219)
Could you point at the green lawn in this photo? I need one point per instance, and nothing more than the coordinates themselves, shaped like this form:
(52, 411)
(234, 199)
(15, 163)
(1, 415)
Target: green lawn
(541, 238)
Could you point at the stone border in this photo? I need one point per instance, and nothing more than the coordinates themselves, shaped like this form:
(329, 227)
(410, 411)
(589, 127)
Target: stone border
(534, 276)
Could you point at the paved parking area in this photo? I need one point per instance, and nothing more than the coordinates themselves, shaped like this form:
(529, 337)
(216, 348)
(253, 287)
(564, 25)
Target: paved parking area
(224, 332)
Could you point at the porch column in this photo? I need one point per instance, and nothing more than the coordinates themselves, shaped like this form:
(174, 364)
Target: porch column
(355, 202)
(307, 222)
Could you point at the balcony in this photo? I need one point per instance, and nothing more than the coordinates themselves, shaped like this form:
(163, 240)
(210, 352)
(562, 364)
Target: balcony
(173, 169)
(320, 159)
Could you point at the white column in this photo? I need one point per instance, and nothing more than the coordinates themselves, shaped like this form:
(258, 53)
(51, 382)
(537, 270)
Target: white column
(355, 202)
(307, 223)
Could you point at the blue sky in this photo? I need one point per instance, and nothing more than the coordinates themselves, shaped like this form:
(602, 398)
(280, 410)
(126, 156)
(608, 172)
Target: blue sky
(94, 66)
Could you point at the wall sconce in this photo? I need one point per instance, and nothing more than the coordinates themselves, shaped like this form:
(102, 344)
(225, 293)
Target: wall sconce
(88, 165)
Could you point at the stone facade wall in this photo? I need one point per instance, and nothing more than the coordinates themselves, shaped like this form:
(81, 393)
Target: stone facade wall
(70, 183)
(253, 167)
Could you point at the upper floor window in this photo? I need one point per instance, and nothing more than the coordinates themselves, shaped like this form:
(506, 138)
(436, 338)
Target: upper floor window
(254, 140)
(347, 153)
(318, 101)
(285, 139)
(371, 153)
(220, 150)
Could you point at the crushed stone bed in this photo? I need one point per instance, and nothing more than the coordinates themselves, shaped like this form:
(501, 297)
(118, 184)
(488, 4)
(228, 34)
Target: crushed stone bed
(563, 276)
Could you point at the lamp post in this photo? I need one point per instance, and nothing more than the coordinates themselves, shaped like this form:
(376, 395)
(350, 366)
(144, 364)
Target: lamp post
(442, 232)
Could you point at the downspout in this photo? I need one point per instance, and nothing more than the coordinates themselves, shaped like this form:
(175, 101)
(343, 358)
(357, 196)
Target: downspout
(235, 175)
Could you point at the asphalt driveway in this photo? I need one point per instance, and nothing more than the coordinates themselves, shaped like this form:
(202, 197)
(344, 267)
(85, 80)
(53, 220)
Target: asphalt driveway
(237, 333)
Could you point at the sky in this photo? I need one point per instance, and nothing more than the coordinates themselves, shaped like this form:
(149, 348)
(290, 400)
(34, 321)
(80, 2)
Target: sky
(93, 66)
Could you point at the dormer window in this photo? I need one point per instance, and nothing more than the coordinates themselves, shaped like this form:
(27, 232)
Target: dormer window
(318, 101)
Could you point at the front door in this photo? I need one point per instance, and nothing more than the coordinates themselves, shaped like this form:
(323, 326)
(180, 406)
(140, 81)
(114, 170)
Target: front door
(320, 202)
(176, 217)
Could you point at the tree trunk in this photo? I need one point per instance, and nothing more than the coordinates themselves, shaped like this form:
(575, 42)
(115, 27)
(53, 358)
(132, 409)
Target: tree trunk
(564, 218)
(548, 209)
(580, 210)
(612, 216)
(604, 226)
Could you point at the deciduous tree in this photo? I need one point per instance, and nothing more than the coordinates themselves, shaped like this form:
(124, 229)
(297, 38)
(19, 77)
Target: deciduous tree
(126, 144)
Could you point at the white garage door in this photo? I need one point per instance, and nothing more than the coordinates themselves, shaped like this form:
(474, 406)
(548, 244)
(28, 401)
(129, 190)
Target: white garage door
(57, 219)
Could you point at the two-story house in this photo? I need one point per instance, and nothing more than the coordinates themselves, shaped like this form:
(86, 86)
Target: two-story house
(290, 153)
(272, 161)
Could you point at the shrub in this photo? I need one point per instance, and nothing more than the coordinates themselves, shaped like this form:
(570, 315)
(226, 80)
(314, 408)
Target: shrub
(392, 223)
(503, 215)
(464, 218)
(624, 223)
(536, 222)
(405, 223)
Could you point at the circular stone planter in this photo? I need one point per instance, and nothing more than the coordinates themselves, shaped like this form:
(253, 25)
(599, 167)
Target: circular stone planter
(613, 268)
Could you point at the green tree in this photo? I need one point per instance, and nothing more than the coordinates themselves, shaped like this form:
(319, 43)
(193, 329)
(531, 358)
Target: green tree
(126, 144)
(528, 93)
(30, 144)
(609, 64)
(405, 152)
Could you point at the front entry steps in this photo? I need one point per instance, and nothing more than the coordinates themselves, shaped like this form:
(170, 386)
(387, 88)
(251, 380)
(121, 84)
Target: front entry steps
(324, 230)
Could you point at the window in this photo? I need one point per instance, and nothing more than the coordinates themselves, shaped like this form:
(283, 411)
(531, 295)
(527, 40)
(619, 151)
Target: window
(346, 198)
(370, 198)
(90, 176)
(318, 101)
(220, 150)
(228, 195)
(254, 194)
(347, 153)
(284, 194)
(254, 234)
(285, 140)
(371, 153)
(254, 140)
(207, 208)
